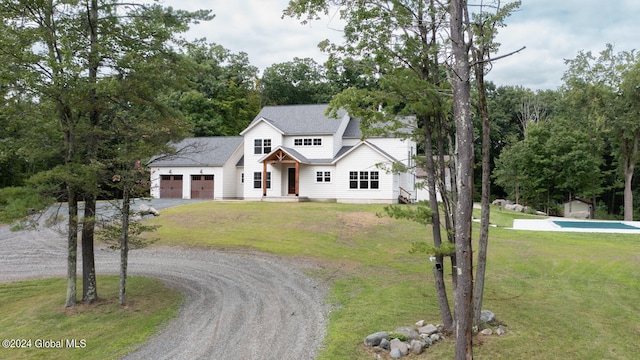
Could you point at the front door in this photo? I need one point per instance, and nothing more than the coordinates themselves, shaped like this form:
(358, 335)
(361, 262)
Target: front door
(292, 181)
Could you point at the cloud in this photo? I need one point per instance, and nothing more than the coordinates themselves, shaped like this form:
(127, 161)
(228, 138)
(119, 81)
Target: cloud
(552, 31)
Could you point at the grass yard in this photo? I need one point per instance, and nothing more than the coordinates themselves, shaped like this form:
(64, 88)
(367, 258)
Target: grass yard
(562, 295)
(35, 310)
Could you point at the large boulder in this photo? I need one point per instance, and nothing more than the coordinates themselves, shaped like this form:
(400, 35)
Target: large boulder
(375, 338)
(428, 329)
(397, 344)
(487, 316)
(407, 331)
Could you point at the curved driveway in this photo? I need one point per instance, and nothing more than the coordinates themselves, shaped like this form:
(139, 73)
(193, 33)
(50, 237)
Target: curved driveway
(237, 306)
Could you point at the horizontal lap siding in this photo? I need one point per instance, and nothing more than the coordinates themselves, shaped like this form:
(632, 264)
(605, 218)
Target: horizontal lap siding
(364, 159)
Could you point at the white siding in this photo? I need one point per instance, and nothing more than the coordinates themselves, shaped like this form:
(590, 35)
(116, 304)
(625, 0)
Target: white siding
(231, 176)
(251, 160)
(309, 187)
(364, 158)
(324, 151)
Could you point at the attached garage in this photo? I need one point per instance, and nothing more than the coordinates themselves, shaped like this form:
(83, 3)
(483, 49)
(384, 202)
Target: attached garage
(194, 168)
(171, 186)
(202, 186)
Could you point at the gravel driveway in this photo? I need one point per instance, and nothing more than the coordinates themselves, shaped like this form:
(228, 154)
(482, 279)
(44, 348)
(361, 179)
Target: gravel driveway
(237, 305)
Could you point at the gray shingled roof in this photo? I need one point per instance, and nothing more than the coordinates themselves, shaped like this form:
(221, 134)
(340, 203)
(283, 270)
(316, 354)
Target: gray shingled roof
(300, 119)
(202, 151)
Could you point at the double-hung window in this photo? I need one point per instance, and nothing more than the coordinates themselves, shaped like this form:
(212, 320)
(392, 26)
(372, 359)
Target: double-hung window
(323, 176)
(257, 180)
(364, 180)
(261, 146)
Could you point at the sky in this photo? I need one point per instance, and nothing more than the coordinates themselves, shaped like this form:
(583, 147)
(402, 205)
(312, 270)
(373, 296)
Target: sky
(551, 31)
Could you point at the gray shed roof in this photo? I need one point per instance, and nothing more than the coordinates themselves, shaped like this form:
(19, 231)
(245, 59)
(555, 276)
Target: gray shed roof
(201, 151)
(299, 119)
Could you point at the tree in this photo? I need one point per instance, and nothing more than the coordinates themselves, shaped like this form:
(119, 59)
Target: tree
(398, 44)
(71, 56)
(607, 84)
(224, 98)
(301, 81)
(483, 29)
(460, 84)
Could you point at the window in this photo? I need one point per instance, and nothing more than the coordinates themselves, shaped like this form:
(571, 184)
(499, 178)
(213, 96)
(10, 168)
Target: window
(353, 179)
(257, 180)
(323, 176)
(307, 142)
(261, 146)
(364, 180)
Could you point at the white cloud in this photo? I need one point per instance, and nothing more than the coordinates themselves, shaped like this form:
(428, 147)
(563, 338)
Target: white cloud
(552, 30)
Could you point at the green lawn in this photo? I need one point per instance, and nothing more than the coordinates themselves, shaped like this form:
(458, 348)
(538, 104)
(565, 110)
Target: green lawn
(562, 295)
(34, 310)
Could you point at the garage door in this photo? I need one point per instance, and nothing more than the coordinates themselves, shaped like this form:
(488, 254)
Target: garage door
(202, 186)
(171, 186)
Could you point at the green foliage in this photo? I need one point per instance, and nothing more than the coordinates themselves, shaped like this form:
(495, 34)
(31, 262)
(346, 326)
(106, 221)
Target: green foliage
(423, 247)
(19, 202)
(420, 212)
(400, 337)
(110, 232)
(301, 81)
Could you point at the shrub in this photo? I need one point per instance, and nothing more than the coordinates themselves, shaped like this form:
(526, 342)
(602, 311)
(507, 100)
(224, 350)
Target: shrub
(18, 202)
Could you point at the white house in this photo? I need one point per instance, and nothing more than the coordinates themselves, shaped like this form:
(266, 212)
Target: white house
(292, 152)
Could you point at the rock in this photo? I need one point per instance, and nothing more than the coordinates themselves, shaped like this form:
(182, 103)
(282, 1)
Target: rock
(434, 337)
(486, 332)
(499, 202)
(403, 347)
(416, 347)
(407, 331)
(145, 209)
(384, 343)
(375, 338)
(501, 330)
(428, 329)
(420, 323)
(487, 316)
(395, 354)
(427, 340)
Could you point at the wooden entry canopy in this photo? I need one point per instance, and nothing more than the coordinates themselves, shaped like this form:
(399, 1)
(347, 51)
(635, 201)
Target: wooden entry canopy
(279, 157)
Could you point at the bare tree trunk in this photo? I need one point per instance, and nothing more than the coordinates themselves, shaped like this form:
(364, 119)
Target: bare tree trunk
(629, 161)
(124, 245)
(438, 269)
(89, 286)
(89, 283)
(478, 290)
(72, 247)
(460, 79)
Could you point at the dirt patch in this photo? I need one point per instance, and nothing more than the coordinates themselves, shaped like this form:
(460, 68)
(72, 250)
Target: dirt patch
(349, 225)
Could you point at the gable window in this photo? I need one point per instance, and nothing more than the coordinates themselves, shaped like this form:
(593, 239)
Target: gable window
(364, 180)
(323, 176)
(261, 146)
(257, 180)
(307, 142)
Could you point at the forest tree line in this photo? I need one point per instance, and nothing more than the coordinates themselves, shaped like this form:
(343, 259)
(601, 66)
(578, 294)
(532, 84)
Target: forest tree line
(547, 146)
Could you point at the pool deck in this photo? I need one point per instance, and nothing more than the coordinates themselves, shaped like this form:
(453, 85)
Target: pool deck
(549, 225)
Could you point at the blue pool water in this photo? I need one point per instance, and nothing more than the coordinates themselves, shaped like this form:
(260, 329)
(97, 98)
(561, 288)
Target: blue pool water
(595, 225)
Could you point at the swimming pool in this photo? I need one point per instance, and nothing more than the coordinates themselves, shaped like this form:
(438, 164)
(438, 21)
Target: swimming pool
(618, 225)
(592, 226)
